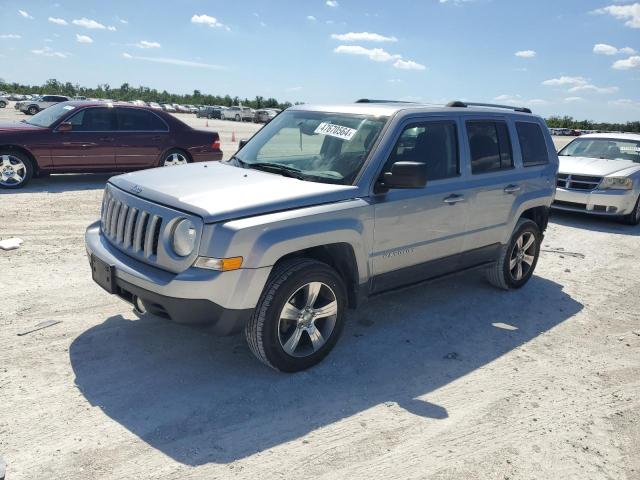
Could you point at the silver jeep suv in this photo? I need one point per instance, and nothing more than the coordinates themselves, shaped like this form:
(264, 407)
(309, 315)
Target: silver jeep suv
(324, 207)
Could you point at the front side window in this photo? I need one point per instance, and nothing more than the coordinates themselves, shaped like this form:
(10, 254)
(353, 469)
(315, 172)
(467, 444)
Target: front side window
(315, 146)
(489, 145)
(433, 143)
(93, 120)
(532, 144)
(607, 148)
(133, 119)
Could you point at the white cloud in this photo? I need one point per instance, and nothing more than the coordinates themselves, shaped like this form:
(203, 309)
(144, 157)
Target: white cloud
(526, 54)
(362, 36)
(629, 13)
(24, 14)
(84, 38)
(10, 36)
(625, 103)
(311, 18)
(518, 100)
(565, 80)
(123, 21)
(375, 54)
(628, 63)
(174, 61)
(58, 21)
(408, 65)
(604, 49)
(573, 99)
(332, 3)
(49, 52)
(147, 44)
(294, 89)
(592, 88)
(111, 28)
(88, 23)
(208, 20)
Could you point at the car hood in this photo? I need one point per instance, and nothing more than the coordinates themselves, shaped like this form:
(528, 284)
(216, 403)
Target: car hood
(596, 166)
(18, 127)
(217, 191)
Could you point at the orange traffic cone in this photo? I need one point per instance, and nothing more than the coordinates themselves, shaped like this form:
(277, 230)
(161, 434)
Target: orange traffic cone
(233, 136)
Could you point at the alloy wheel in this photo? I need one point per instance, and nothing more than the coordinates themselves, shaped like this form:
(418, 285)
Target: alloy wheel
(522, 256)
(12, 170)
(307, 319)
(174, 159)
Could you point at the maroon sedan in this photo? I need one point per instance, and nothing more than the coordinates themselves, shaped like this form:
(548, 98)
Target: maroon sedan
(98, 137)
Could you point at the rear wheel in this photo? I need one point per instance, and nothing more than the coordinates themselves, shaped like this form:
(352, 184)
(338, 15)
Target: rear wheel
(3, 104)
(634, 217)
(32, 110)
(15, 170)
(237, 118)
(173, 158)
(299, 317)
(518, 259)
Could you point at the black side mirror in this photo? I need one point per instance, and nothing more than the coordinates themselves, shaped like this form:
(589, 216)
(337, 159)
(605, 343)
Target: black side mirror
(405, 175)
(242, 143)
(65, 127)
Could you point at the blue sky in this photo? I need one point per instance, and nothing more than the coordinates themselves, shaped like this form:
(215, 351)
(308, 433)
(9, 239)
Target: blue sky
(574, 57)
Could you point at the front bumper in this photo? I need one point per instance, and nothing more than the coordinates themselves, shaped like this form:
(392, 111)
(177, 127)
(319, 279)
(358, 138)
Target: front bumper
(224, 301)
(596, 202)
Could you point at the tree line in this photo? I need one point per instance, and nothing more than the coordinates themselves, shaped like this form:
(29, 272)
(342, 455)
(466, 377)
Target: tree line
(128, 92)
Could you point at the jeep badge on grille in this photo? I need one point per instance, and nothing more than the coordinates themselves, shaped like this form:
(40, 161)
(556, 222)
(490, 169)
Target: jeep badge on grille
(136, 189)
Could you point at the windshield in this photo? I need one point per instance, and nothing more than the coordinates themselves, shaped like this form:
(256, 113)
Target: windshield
(607, 148)
(322, 147)
(49, 116)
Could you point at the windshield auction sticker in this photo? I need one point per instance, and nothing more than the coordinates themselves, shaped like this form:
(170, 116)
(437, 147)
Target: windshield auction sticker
(338, 131)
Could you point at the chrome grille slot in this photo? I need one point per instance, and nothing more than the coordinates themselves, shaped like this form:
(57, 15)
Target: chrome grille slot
(578, 182)
(140, 228)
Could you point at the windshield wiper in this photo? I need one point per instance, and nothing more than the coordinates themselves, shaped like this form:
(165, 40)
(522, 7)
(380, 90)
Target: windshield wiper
(278, 168)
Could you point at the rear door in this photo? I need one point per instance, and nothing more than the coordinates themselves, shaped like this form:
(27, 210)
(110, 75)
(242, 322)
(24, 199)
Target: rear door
(89, 146)
(496, 180)
(140, 138)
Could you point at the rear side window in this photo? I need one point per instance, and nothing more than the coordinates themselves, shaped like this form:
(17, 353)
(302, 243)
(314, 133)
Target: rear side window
(532, 144)
(133, 119)
(490, 146)
(433, 143)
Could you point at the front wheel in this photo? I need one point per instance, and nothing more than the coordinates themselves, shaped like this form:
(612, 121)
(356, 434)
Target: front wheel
(634, 217)
(15, 170)
(518, 259)
(173, 158)
(299, 317)
(3, 104)
(32, 110)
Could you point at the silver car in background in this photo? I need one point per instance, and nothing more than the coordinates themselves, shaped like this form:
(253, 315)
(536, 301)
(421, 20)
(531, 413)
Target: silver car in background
(600, 174)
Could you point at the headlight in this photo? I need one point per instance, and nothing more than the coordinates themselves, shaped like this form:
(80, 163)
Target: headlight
(183, 238)
(617, 183)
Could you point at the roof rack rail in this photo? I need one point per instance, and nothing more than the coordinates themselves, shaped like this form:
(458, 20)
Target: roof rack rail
(368, 100)
(459, 104)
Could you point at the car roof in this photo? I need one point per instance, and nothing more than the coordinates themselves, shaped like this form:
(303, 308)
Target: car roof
(620, 136)
(391, 108)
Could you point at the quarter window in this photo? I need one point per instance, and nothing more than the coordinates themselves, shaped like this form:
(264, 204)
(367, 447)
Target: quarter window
(133, 119)
(532, 144)
(433, 143)
(490, 146)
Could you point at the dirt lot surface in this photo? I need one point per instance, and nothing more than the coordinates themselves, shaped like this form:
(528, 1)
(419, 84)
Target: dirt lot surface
(452, 380)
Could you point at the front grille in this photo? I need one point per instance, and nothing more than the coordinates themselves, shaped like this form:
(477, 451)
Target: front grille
(572, 205)
(130, 228)
(578, 182)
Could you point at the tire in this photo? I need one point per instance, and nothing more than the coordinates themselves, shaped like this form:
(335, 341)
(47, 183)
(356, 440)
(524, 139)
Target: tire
(504, 273)
(237, 118)
(32, 110)
(286, 344)
(3, 104)
(634, 217)
(174, 157)
(18, 165)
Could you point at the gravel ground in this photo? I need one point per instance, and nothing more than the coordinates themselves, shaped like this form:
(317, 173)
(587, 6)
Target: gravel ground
(452, 380)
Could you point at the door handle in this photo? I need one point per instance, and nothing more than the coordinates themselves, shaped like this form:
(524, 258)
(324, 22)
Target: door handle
(512, 188)
(453, 199)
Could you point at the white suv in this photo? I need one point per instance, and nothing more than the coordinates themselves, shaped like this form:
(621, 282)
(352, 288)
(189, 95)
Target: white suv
(238, 114)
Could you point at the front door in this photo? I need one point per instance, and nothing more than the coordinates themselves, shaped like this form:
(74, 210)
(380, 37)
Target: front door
(419, 232)
(89, 145)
